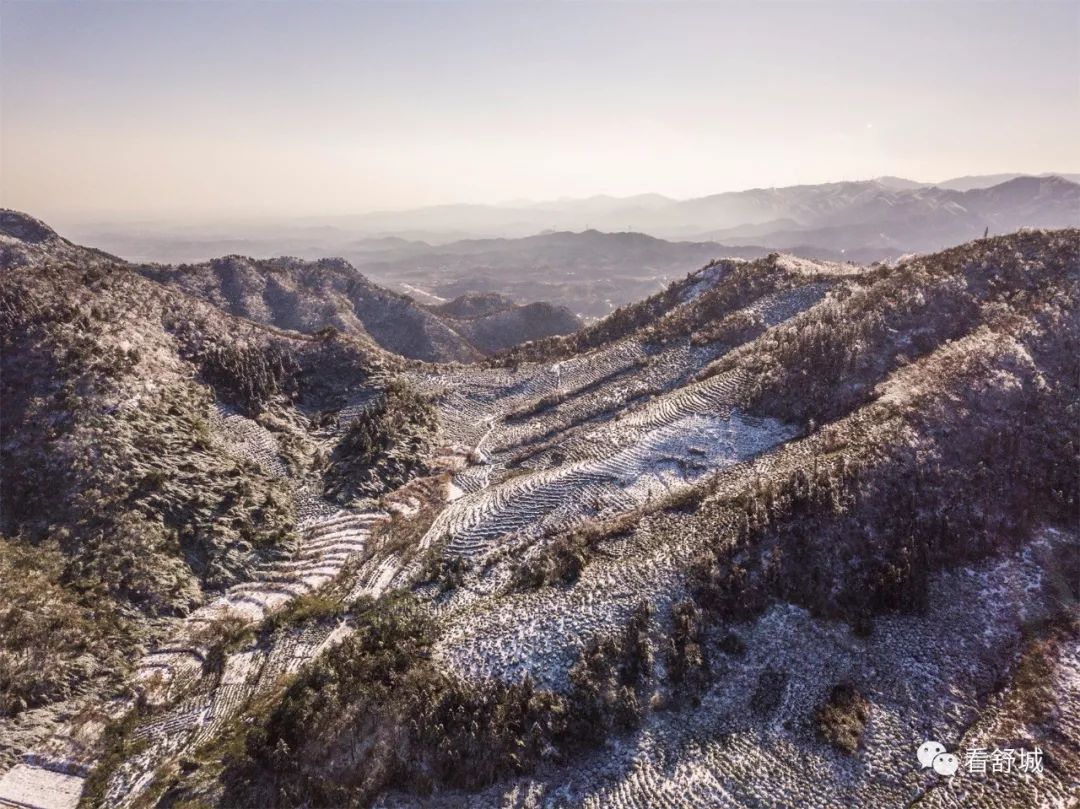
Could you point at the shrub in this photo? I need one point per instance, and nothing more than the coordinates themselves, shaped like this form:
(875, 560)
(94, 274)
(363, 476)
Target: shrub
(842, 719)
(688, 665)
(379, 714)
(47, 631)
(561, 562)
(384, 446)
(315, 607)
(247, 376)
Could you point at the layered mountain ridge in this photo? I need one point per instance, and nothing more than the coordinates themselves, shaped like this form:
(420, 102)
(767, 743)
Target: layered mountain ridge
(925, 216)
(308, 296)
(595, 255)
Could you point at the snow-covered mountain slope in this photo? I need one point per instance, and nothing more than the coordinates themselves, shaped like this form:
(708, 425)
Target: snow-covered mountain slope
(751, 541)
(309, 296)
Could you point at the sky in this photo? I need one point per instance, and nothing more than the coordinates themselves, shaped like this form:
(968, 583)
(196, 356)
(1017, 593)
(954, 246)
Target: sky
(201, 110)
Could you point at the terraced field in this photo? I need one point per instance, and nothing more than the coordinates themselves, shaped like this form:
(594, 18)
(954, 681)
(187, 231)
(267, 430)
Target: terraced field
(750, 741)
(559, 446)
(190, 707)
(783, 608)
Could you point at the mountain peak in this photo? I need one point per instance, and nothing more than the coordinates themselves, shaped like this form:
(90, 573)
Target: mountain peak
(24, 227)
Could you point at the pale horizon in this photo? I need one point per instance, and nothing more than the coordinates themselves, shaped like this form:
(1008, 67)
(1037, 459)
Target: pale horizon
(238, 111)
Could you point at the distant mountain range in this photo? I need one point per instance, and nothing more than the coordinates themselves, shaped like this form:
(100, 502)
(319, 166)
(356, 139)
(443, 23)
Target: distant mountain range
(593, 272)
(861, 216)
(888, 212)
(592, 255)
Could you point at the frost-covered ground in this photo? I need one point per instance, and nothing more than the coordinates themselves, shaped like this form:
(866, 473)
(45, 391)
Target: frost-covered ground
(194, 709)
(616, 430)
(751, 741)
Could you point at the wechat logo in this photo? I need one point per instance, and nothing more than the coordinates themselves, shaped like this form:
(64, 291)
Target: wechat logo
(934, 755)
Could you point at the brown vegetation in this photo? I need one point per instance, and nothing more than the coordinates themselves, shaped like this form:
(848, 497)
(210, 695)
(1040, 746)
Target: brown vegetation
(842, 719)
(378, 715)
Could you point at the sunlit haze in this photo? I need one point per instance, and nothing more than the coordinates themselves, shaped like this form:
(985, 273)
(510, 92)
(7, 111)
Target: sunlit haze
(201, 110)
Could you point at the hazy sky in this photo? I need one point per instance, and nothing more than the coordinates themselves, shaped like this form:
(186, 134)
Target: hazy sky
(180, 109)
